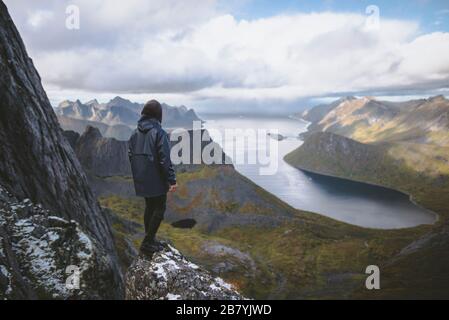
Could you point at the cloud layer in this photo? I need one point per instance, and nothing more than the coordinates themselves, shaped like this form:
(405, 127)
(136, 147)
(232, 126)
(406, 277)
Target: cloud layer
(194, 49)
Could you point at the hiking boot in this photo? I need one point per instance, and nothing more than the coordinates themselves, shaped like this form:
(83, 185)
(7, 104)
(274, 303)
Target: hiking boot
(147, 252)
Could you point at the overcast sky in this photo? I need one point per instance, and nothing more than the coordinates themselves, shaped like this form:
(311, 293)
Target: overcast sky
(227, 55)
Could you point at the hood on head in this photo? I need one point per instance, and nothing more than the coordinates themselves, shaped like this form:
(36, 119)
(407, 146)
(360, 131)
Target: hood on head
(145, 124)
(152, 109)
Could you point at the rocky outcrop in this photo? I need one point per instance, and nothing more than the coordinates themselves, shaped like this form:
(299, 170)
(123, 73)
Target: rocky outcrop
(170, 276)
(37, 162)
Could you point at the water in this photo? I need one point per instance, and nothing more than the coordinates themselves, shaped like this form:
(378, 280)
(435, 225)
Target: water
(352, 202)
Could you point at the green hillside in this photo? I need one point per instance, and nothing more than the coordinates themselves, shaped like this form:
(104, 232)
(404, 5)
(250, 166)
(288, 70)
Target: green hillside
(298, 255)
(405, 149)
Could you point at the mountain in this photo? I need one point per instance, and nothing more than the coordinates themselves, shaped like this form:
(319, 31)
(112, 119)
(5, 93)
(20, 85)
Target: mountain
(381, 163)
(46, 203)
(414, 133)
(328, 153)
(424, 121)
(119, 131)
(102, 156)
(237, 231)
(398, 145)
(316, 113)
(118, 112)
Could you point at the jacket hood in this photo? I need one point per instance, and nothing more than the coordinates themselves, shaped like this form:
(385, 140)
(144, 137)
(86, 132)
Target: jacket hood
(145, 124)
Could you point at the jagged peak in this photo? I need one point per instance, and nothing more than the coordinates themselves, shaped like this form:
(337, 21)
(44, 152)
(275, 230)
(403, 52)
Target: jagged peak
(119, 99)
(92, 102)
(65, 103)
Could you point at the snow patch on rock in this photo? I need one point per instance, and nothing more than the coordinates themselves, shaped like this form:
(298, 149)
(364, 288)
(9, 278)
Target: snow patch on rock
(169, 275)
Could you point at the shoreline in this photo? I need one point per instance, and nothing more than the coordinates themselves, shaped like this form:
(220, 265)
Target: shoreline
(410, 196)
(434, 217)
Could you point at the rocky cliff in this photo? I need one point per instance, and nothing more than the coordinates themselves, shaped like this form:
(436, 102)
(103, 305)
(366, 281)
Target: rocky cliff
(170, 276)
(102, 156)
(37, 163)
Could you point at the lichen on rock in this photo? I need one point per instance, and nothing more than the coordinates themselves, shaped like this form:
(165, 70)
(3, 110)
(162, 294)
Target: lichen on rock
(170, 276)
(36, 247)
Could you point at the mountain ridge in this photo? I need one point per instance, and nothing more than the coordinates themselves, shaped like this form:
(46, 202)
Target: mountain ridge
(120, 111)
(368, 120)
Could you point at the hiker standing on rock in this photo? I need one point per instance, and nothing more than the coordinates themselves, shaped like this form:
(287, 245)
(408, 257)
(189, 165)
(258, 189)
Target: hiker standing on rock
(153, 173)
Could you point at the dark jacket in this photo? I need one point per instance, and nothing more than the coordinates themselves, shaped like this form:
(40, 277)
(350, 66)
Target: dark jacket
(149, 154)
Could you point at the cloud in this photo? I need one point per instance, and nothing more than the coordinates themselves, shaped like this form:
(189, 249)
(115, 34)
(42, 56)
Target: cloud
(195, 50)
(38, 18)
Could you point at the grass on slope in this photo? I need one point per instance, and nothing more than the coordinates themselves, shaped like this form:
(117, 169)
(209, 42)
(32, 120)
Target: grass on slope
(417, 169)
(308, 257)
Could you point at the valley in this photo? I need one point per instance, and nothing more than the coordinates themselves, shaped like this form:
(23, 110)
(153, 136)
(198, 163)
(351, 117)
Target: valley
(357, 182)
(242, 233)
(408, 155)
(262, 245)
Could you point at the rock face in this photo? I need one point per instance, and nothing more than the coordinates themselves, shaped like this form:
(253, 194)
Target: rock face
(72, 137)
(36, 248)
(37, 162)
(102, 156)
(171, 276)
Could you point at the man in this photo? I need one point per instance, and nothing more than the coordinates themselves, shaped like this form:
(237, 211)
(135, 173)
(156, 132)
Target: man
(149, 154)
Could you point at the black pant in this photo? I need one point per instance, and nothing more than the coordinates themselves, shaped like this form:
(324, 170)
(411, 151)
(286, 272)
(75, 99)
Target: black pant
(154, 214)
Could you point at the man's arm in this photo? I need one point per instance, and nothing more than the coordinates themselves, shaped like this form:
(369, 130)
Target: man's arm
(163, 147)
(131, 143)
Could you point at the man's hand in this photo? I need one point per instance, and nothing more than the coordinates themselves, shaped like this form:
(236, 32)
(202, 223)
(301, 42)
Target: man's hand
(173, 187)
